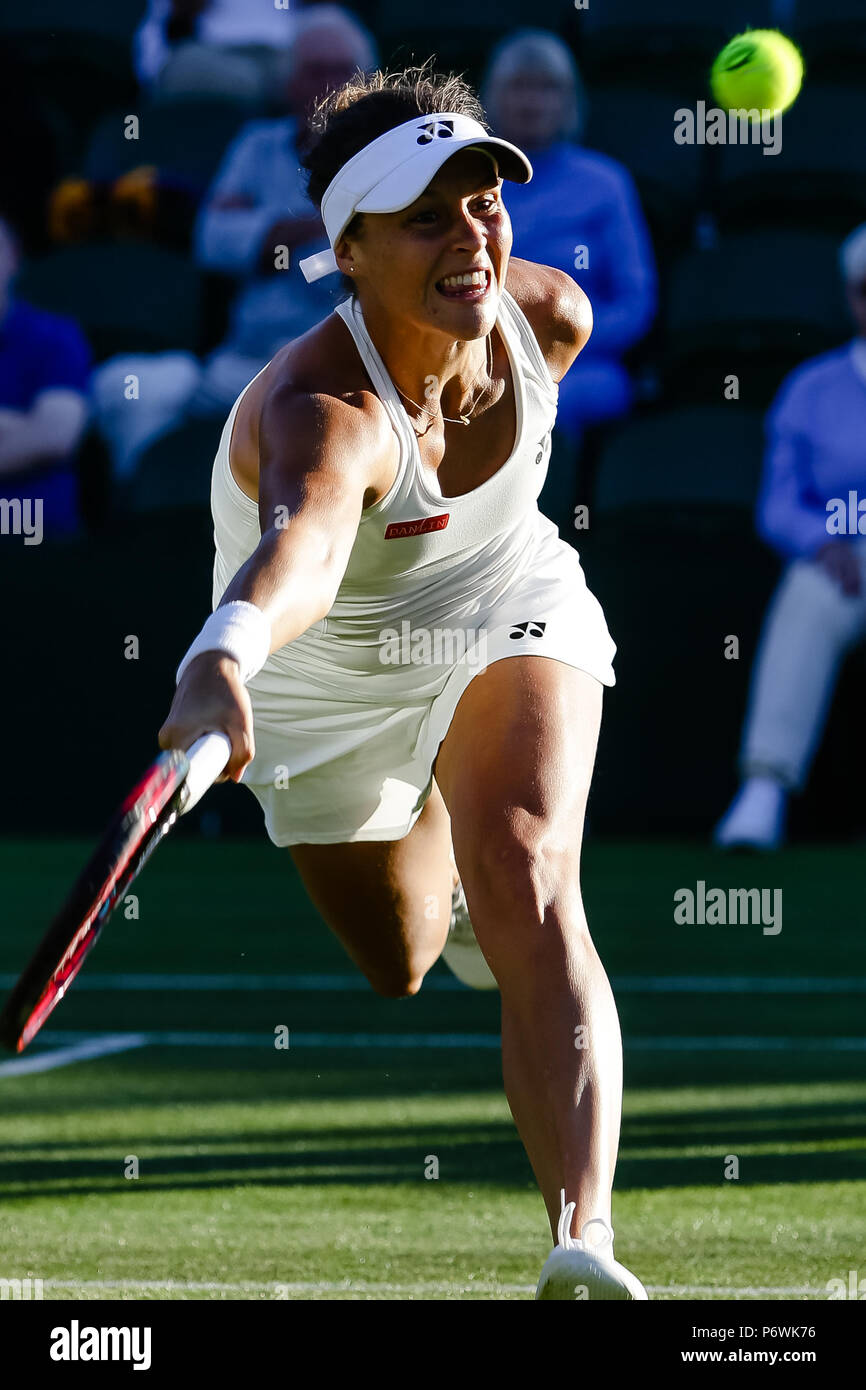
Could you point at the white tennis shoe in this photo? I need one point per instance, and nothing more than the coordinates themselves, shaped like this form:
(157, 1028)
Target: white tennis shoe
(462, 954)
(586, 1269)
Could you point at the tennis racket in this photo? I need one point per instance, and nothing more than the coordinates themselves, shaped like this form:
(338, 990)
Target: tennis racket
(170, 788)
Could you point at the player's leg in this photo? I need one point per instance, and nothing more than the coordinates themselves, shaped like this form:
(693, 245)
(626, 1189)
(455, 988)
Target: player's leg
(514, 769)
(388, 901)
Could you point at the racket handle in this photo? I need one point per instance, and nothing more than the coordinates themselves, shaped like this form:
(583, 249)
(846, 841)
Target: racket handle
(207, 759)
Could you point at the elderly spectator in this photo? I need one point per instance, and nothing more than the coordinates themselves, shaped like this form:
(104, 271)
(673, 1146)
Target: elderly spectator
(257, 204)
(258, 200)
(44, 367)
(580, 213)
(812, 510)
(214, 47)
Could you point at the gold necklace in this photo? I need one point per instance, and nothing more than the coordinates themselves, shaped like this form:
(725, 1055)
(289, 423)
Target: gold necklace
(459, 419)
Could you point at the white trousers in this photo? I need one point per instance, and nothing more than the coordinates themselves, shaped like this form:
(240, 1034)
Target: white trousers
(809, 627)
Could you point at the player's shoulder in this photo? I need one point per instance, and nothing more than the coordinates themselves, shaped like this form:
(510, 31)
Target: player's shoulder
(313, 401)
(321, 374)
(558, 310)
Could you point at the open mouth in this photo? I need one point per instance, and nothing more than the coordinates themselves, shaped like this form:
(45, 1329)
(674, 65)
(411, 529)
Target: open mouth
(468, 288)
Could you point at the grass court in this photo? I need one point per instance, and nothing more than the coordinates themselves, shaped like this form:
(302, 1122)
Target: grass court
(299, 1172)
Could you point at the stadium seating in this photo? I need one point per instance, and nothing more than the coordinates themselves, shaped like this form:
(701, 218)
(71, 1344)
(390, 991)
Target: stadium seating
(671, 553)
(116, 19)
(832, 34)
(149, 577)
(818, 178)
(755, 306)
(459, 35)
(708, 454)
(635, 126)
(83, 74)
(184, 140)
(175, 470)
(662, 42)
(126, 297)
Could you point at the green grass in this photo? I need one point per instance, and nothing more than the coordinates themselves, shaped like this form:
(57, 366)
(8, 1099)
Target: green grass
(300, 1173)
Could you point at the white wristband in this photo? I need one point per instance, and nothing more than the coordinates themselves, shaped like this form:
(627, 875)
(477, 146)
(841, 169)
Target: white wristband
(238, 629)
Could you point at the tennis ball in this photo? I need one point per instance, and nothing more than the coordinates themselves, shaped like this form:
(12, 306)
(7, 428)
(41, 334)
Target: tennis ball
(761, 68)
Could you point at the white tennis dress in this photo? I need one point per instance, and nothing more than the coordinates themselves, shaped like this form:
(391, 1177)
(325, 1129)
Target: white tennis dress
(349, 716)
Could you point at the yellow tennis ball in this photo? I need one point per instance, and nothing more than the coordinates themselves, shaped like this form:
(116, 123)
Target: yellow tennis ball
(761, 68)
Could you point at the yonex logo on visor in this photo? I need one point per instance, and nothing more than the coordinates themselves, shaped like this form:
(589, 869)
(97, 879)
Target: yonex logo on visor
(393, 170)
(431, 129)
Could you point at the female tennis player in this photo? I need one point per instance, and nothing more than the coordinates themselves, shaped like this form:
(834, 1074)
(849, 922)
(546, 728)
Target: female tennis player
(403, 653)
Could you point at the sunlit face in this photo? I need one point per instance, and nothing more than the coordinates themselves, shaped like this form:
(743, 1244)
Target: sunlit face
(531, 108)
(459, 225)
(855, 292)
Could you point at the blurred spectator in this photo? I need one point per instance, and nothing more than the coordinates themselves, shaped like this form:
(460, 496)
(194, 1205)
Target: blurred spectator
(258, 199)
(580, 212)
(213, 47)
(812, 510)
(257, 202)
(44, 365)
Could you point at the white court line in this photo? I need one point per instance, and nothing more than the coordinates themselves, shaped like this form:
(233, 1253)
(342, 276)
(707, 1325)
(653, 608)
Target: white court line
(356, 984)
(407, 1041)
(314, 984)
(413, 1041)
(751, 1291)
(73, 1047)
(84, 1051)
(732, 1043)
(340, 983)
(739, 984)
(366, 1286)
(274, 1288)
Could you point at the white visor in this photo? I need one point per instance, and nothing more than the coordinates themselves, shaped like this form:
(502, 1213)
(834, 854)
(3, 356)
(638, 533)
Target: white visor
(393, 170)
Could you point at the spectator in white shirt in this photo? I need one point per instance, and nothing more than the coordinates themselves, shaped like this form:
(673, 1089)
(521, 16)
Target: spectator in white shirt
(214, 47)
(257, 202)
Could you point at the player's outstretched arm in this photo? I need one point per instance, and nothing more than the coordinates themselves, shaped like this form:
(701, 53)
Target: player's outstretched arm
(320, 462)
(319, 457)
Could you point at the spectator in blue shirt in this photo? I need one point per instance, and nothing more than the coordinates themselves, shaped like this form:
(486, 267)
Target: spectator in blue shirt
(812, 510)
(44, 370)
(580, 213)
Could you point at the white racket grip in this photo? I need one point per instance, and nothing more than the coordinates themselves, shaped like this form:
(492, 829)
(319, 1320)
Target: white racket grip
(207, 759)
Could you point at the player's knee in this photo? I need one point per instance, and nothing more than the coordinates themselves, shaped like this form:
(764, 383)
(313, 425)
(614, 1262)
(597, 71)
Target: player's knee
(524, 865)
(395, 982)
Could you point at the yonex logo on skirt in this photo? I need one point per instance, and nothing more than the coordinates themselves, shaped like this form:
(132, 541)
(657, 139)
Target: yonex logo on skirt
(398, 529)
